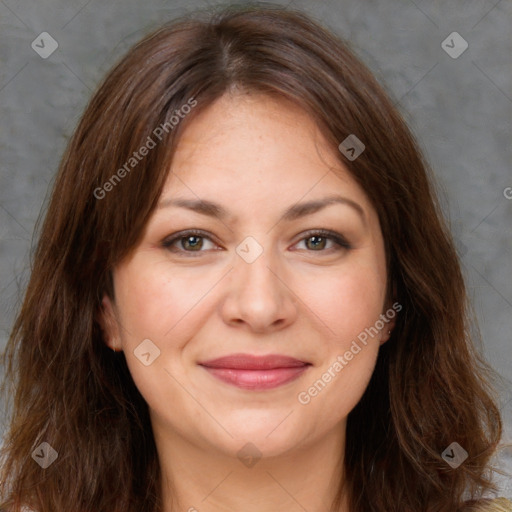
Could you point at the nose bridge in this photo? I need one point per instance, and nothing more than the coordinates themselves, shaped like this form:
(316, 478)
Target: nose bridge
(257, 295)
(253, 269)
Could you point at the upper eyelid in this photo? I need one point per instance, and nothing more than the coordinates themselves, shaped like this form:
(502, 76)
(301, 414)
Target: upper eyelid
(188, 232)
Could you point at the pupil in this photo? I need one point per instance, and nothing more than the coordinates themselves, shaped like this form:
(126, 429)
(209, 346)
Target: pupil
(193, 244)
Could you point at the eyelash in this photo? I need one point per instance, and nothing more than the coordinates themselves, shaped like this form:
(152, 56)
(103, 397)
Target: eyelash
(338, 239)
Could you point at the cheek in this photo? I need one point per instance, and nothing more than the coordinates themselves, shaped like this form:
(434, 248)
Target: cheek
(347, 301)
(155, 302)
(351, 347)
(155, 305)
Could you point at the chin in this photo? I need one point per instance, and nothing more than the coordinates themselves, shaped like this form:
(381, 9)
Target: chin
(272, 433)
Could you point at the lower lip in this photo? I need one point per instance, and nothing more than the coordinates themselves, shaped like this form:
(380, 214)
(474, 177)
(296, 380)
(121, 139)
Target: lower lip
(257, 380)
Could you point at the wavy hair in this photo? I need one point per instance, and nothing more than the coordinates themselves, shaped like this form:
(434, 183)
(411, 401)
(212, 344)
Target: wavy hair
(430, 386)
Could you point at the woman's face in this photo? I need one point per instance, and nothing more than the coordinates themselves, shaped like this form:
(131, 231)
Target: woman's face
(258, 280)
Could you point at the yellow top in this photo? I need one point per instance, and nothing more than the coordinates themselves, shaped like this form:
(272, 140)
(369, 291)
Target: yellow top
(495, 505)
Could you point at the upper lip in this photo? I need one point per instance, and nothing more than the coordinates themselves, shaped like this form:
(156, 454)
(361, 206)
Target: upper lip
(254, 362)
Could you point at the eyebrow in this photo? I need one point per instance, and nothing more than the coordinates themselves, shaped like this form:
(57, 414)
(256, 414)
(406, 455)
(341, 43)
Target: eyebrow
(294, 212)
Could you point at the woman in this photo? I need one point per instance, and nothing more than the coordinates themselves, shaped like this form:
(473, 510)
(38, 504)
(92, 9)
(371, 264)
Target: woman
(244, 295)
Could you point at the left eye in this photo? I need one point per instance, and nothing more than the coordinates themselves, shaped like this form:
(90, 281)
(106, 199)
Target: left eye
(316, 242)
(193, 241)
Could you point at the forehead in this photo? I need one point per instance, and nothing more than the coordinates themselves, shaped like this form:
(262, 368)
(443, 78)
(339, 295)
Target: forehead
(260, 147)
(245, 126)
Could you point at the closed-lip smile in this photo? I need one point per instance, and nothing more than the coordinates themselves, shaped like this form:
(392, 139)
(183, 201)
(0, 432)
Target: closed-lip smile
(255, 372)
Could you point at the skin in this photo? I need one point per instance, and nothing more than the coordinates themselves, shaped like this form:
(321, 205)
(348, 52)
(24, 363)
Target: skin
(255, 156)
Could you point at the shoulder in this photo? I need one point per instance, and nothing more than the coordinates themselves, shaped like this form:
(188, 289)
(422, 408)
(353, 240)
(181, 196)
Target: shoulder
(489, 505)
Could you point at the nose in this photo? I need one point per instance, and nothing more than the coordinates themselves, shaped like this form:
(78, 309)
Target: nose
(258, 295)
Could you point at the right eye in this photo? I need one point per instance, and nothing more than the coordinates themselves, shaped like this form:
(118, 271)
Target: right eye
(191, 241)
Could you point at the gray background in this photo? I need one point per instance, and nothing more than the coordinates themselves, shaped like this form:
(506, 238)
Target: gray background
(459, 109)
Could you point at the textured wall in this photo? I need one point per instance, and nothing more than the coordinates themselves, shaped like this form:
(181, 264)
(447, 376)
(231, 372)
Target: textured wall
(459, 107)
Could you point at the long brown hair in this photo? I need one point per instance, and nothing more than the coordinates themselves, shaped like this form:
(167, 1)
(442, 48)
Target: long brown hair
(430, 386)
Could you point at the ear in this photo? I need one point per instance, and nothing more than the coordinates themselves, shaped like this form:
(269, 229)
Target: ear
(389, 316)
(106, 319)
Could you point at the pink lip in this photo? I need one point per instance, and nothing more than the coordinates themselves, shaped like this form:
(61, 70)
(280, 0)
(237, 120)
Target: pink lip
(256, 372)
